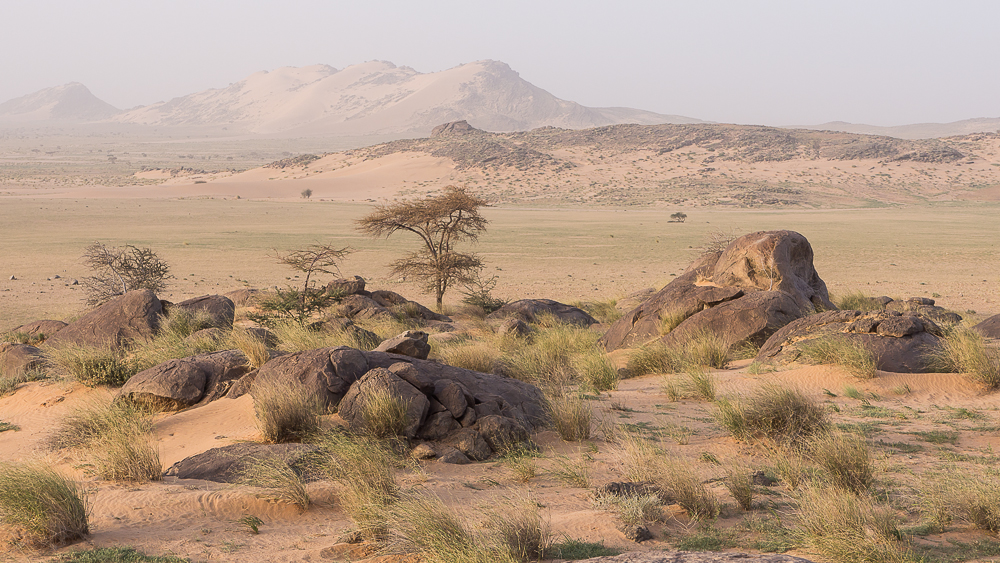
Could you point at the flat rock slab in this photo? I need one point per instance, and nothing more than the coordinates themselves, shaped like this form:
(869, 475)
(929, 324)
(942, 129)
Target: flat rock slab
(696, 557)
(224, 465)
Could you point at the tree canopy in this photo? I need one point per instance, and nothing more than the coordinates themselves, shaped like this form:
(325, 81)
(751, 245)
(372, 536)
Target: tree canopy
(440, 222)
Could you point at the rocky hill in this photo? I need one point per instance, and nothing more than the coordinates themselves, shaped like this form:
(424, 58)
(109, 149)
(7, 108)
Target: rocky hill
(69, 102)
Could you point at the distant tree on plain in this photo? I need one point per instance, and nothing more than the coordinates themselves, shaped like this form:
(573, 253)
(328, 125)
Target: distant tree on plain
(307, 193)
(679, 217)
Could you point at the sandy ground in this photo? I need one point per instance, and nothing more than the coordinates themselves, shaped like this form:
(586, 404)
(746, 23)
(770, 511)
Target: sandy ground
(197, 519)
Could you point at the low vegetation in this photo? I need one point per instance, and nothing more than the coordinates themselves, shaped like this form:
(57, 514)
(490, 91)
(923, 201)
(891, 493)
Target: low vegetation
(286, 410)
(963, 350)
(858, 359)
(281, 480)
(92, 366)
(571, 417)
(705, 350)
(772, 412)
(384, 414)
(849, 528)
(116, 436)
(846, 458)
(644, 462)
(41, 506)
(856, 301)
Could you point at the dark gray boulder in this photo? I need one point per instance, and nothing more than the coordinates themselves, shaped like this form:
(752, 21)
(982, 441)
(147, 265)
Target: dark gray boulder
(528, 311)
(326, 372)
(752, 318)
(381, 380)
(181, 383)
(132, 316)
(989, 328)
(225, 464)
(38, 329)
(220, 309)
(15, 359)
(412, 343)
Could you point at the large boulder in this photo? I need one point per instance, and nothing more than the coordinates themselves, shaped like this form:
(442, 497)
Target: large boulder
(346, 286)
(132, 316)
(528, 311)
(361, 307)
(411, 343)
(989, 328)
(901, 343)
(220, 309)
(15, 359)
(326, 372)
(226, 464)
(752, 318)
(924, 306)
(396, 302)
(381, 380)
(184, 382)
(754, 268)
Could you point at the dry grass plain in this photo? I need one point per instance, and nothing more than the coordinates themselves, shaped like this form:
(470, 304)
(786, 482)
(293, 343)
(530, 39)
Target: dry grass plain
(949, 251)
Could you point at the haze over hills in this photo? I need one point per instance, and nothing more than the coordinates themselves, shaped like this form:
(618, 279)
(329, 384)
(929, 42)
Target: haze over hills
(915, 130)
(71, 102)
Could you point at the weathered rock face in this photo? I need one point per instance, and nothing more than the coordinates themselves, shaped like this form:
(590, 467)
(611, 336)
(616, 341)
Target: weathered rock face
(221, 309)
(752, 318)
(412, 343)
(37, 329)
(901, 342)
(771, 272)
(16, 359)
(115, 323)
(326, 372)
(225, 464)
(181, 383)
(381, 380)
(528, 310)
(989, 328)
(924, 306)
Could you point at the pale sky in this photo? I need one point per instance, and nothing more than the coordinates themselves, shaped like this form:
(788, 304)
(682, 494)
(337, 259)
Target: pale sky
(736, 61)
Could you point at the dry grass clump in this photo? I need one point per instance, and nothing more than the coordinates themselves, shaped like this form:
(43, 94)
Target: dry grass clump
(857, 301)
(696, 383)
(252, 346)
(286, 410)
(571, 417)
(597, 372)
(117, 437)
(10, 382)
(573, 473)
(859, 360)
(964, 350)
(514, 532)
(705, 349)
(477, 356)
(957, 494)
(604, 311)
(739, 483)
(670, 319)
(40, 505)
(92, 366)
(384, 414)
(282, 480)
(848, 528)
(551, 359)
(773, 412)
(636, 510)
(175, 339)
(846, 458)
(364, 470)
(644, 462)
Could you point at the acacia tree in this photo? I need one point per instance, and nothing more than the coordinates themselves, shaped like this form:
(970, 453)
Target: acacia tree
(441, 222)
(120, 269)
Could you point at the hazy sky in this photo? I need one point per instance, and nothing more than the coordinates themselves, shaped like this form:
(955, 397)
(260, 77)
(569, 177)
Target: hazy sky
(741, 61)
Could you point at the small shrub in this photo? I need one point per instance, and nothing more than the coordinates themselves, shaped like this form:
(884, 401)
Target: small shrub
(571, 417)
(848, 528)
(384, 414)
(859, 360)
(93, 366)
(118, 270)
(274, 474)
(774, 412)
(964, 350)
(5, 426)
(479, 293)
(252, 523)
(655, 358)
(286, 411)
(846, 458)
(42, 506)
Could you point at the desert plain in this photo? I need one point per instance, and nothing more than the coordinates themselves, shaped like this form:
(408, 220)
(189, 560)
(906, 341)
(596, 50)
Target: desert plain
(219, 231)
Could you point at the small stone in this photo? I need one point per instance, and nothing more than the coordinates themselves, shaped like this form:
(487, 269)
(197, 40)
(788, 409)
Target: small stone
(423, 451)
(635, 532)
(12, 278)
(455, 457)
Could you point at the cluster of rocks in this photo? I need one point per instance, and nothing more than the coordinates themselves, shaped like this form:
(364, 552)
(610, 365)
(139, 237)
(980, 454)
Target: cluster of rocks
(759, 283)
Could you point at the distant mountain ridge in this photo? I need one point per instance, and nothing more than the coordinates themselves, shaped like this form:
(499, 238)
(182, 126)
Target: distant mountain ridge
(914, 130)
(69, 102)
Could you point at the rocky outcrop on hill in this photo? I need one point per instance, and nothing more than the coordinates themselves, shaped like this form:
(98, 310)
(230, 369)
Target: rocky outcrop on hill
(528, 311)
(119, 321)
(461, 127)
(184, 382)
(761, 280)
(901, 342)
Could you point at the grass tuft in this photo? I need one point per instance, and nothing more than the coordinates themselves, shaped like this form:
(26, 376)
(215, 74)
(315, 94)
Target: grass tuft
(774, 412)
(286, 411)
(571, 416)
(93, 366)
(116, 436)
(384, 414)
(846, 458)
(964, 350)
(252, 346)
(644, 462)
(859, 360)
(274, 474)
(40, 505)
(847, 528)
(857, 301)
